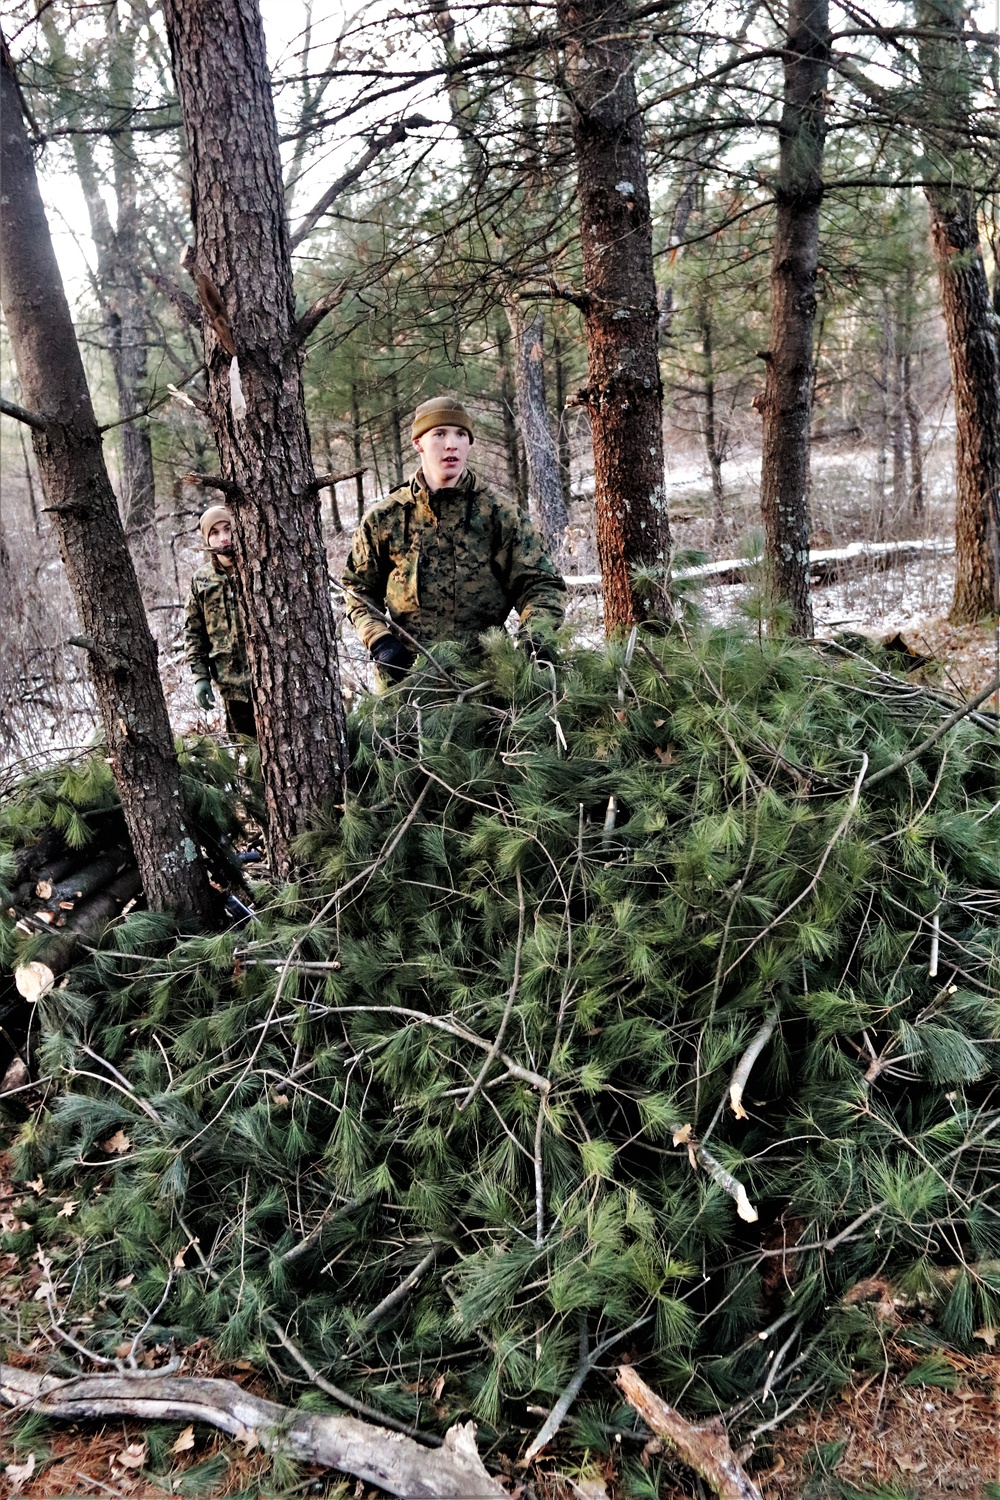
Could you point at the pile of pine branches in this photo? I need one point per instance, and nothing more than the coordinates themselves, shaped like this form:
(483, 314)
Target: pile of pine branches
(641, 1009)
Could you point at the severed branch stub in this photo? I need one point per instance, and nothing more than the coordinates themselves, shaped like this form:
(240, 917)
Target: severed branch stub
(704, 1448)
(373, 1454)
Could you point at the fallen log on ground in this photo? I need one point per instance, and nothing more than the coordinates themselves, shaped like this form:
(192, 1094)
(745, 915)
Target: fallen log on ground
(395, 1463)
(704, 1448)
(62, 894)
(826, 565)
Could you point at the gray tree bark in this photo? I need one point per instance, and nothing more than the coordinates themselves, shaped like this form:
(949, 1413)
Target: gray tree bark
(787, 401)
(120, 290)
(120, 650)
(243, 269)
(624, 394)
(545, 491)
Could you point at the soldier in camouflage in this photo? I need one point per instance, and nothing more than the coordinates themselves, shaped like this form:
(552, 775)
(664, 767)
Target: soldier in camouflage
(446, 559)
(214, 643)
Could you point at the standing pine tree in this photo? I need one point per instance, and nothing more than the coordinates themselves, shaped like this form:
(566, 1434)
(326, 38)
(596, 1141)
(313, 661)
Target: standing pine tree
(253, 353)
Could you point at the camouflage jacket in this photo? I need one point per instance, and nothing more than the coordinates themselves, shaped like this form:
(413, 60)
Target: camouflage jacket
(214, 643)
(447, 566)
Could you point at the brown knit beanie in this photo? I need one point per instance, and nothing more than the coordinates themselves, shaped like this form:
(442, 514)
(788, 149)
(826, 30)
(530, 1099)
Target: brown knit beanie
(441, 411)
(212, 517)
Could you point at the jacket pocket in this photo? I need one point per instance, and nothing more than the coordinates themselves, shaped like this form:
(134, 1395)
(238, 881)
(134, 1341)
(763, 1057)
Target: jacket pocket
(402, 592)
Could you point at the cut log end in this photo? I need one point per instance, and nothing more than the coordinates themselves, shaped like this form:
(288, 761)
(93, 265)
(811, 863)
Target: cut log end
(33, 980)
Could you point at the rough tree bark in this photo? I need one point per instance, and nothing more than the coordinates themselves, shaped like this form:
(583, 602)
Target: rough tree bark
(544, 480)
(624, 394)
(120, 649)
(787, 402)
(243, 270)
(965, 300)
(510, 448)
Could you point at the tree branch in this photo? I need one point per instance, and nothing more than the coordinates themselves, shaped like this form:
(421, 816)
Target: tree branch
(314, 315)
(373, 1454)
(327, 481)
(214, 482)
(21, 414)
(392, 137)
(932, 739)
(703, 1448)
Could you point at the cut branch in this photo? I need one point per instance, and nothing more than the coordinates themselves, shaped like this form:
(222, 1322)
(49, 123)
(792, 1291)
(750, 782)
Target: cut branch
(373, 1454)
(932, 739)
(327, 481)
(705, 1449)
(213, 482)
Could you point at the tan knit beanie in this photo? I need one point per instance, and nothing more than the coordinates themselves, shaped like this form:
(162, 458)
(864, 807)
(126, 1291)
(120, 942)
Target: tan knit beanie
(212, 517)
(441, 411)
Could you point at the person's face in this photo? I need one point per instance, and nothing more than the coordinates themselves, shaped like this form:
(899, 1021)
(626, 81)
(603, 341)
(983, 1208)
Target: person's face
(443, 453)
(220, 540)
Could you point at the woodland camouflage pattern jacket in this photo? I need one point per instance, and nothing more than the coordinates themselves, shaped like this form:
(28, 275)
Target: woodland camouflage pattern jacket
(448, 566)
(214, 643)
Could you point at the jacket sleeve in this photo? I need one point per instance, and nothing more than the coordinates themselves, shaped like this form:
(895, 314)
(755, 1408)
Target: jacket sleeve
(535, 589)
(196, 643)
(365, 577)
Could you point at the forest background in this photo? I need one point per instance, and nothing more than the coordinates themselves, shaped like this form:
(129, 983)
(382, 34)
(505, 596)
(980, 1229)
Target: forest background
(806, 241)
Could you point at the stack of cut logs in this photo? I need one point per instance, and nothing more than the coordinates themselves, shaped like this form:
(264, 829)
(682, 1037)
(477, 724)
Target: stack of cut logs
(71, 895)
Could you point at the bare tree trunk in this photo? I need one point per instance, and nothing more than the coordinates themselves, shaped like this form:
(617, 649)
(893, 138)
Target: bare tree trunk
(359, 479)
(509, 424)
(395, 405)
(120, 649)
(897, 428)
(562, 431)
(624, 392)
(243, 267)
(544, 484)
(947, 104)
(710, 432)
(120, 290)
(787, 403)
(913, 419)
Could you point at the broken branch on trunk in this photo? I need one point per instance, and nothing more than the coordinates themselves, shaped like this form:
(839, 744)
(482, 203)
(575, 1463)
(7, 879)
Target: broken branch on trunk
(21, 414)
(314, 315)
(327, 481)
(395, 1463)
(214, 482)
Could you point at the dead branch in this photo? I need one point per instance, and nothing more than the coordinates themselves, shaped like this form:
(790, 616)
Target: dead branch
(21, 414)
(185, 305)
(373, 1454)
(214, 482)
(704, 1448)
(392, 137)
(314, 315)
(327, 481)
(932, 739)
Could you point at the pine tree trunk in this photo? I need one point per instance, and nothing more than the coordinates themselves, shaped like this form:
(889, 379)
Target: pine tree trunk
(544, 484)
(241, 247)
(120, 649)
(787, 402)
(396, 407)
(947, 104)
(624, 391)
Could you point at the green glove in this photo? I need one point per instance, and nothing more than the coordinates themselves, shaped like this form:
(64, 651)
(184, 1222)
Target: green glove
(205, 696)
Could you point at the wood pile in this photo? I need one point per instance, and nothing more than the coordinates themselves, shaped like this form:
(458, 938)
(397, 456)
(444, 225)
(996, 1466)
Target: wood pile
(71, 895)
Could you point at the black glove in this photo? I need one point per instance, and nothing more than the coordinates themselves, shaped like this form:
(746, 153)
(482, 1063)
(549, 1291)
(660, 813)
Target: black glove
(540, 649)
(394, 659)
